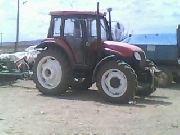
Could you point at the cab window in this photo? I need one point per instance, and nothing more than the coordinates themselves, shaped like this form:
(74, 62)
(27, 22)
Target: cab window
(57, 24)
(72, 27)
(91, 24)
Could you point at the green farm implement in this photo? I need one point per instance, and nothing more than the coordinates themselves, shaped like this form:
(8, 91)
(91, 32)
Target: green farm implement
(11, 70)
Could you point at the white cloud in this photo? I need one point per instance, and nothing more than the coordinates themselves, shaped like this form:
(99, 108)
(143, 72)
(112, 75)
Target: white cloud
(1, 1)
(140, 16)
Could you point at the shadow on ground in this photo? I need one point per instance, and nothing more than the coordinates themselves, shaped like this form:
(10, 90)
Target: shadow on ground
(152, 100)
(93, 95)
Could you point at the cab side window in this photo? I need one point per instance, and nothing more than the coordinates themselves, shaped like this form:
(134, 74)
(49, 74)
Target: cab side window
(72, 28)
(57, 24)
(92, 30)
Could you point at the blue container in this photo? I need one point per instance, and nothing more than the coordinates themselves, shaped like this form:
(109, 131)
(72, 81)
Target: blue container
(161, 48)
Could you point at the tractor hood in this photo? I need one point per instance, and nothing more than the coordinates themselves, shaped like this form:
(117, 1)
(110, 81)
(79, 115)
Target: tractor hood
(123, 49)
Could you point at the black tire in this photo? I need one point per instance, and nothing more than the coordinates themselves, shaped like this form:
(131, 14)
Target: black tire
(124, 74)
(145, 89)
(60, 73)
(165, 78)
(145, 85)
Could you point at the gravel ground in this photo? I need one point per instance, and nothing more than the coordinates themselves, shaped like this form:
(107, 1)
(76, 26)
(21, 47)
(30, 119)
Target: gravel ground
(23, 111)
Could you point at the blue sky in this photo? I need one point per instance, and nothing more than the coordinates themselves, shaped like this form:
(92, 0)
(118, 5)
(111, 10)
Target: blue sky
(138, 16)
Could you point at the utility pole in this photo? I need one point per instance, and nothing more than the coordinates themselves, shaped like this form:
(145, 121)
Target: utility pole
(17, 30)
(1, 38)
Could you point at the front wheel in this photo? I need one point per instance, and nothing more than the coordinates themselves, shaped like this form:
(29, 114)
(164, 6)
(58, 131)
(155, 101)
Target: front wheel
(146, 85)
(52, 72)
(116, 82)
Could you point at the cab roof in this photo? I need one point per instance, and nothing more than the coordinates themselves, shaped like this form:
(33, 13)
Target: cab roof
(75, 13)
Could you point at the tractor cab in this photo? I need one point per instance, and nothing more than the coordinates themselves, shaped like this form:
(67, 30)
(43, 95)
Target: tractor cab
(78, 31)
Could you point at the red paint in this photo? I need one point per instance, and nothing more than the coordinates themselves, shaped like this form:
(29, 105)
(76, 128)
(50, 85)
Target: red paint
(123, 49)
(113, 51)
(64, 45)
(75, 13)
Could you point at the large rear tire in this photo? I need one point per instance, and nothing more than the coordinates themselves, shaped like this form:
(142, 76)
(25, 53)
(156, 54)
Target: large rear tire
(116, 82)
(52, 72)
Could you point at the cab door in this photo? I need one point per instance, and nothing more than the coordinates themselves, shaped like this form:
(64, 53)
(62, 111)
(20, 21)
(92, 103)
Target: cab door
(91, 42)
(91, 45)
(74, 36)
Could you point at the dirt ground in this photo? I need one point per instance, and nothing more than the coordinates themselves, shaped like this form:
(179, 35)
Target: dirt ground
(23, 111)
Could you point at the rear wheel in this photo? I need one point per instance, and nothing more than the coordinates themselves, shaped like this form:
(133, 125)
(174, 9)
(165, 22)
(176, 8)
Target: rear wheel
(52, 72)
(116, 82)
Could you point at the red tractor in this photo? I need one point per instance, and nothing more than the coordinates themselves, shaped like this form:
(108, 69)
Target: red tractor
(79, 51)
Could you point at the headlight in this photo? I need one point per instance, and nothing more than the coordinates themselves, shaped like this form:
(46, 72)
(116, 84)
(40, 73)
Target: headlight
(137, 56)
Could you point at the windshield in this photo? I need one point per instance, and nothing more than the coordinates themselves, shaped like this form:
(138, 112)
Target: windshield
(70, 23)
(92, 29)
(57, 24)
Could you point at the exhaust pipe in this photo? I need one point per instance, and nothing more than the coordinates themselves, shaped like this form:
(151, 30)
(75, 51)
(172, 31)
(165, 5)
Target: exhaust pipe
(98, 30)
(109, 12)
(178, 39)
(178, 34)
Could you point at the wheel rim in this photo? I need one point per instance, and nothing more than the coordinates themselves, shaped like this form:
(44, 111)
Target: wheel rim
(114, 83)
(49, 72)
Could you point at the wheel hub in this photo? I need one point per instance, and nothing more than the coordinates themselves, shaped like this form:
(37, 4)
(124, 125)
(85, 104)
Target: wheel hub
(115, 82)
(49, 72)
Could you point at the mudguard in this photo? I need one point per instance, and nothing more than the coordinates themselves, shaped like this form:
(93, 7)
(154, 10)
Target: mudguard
(104, 60)
(52, 43)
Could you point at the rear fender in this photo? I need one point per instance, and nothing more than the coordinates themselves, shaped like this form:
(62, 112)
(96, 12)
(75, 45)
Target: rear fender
(45, 45)
(104, 60)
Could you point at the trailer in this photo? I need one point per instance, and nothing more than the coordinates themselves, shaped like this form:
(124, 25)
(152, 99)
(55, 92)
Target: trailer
(164, 51)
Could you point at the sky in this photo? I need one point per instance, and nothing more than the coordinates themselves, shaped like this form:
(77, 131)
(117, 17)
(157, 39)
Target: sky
(137, 16)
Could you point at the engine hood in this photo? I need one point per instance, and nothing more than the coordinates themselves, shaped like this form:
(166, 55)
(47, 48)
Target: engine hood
(123, 49)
